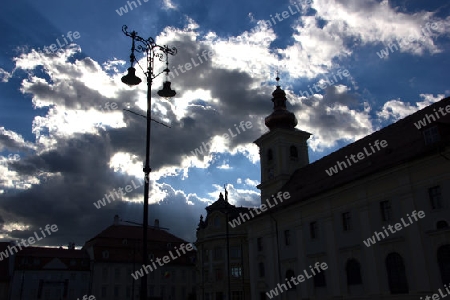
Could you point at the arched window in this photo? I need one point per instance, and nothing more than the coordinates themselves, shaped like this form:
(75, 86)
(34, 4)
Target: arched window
(398, 284)
(443, 256)
(353, 271)
(261, 269)
(269, 155)
(289, 275)
(441, 225)
(293, 152)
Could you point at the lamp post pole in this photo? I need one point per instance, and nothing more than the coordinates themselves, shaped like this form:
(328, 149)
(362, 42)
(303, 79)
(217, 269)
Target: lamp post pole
(152, 51)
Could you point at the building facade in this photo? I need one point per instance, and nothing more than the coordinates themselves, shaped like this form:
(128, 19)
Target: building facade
(376, 212)
(116, 254)
(50, 274)
(222, 264)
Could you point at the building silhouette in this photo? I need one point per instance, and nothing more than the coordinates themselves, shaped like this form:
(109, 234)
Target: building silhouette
(376, 212)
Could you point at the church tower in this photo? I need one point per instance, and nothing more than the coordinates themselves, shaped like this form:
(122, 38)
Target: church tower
(283, 149)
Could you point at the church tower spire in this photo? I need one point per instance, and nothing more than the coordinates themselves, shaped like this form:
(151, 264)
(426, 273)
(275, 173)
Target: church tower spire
(283, 149)
(280, 117)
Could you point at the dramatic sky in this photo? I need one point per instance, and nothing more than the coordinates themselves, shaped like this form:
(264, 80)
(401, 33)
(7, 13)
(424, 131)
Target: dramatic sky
(65, 139)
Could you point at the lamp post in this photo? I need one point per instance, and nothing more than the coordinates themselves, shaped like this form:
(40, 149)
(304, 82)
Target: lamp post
(152, 51)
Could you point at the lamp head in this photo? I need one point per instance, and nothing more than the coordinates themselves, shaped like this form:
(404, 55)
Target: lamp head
(166, 91)
(131, 78)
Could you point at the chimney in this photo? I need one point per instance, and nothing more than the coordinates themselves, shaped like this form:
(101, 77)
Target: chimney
(156, 223)
(116, 220)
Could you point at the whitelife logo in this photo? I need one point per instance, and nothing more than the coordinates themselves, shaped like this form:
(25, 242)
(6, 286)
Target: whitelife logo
(398, 227)
(262, 208)
(384, 53)
(274, 292)
(31, 241)
(339, 164)
(430, 118)
(128, 189)
(166, 259)
(208, 145)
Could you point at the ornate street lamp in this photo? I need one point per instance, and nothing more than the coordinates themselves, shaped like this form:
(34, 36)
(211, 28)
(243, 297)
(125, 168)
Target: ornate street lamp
(152, 51)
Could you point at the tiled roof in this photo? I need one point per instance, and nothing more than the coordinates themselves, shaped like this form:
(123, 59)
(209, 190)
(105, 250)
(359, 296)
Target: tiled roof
(132, 232)
(123, 243)
(405, 143)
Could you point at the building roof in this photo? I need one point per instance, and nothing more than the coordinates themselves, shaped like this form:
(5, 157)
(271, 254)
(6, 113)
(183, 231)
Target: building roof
(123, 243)
(405, 143)
(223, 206)
(43, 258)
(4, 263)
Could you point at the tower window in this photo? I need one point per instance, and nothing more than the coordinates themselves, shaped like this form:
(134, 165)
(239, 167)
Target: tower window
(346, 221)
(287, 237)
(431, 135)
(293, 152)
(269, 155)
(386, 211)
(313, 230)
(435, 197)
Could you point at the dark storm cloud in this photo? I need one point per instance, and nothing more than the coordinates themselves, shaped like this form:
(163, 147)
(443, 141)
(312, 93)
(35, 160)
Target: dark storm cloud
(67, 200)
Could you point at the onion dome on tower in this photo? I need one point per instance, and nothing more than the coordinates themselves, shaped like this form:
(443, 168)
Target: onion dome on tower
(280, 117)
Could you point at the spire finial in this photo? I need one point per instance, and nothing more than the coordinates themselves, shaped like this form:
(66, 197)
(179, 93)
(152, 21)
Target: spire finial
(226, 192)
(277, 79)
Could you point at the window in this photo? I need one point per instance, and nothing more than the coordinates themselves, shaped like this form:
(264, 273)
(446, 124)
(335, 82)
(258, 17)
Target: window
(151, 290)
(395, 268)
(386, 211)
(73, 276)
(128, 292)
(271, 173)
(205, 254)
(235, 251)
(319, 279)
(441, 225)
(218, 253)
(346, 221)
(259, 244)
(236, 271)
(104, 291)
(237, 295)
(443, 256)
(218, 274)
(105, 273)
(261, 269)
(313, 230)
(435, 197)
(217, 221)
(116, 291)
(117, 273)
(293, 152)
(353, 271)
(219, 296)
(105, 254)
(169, 245)
(431, 135)
(287, 237)
(206, 274)
(269, 154)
